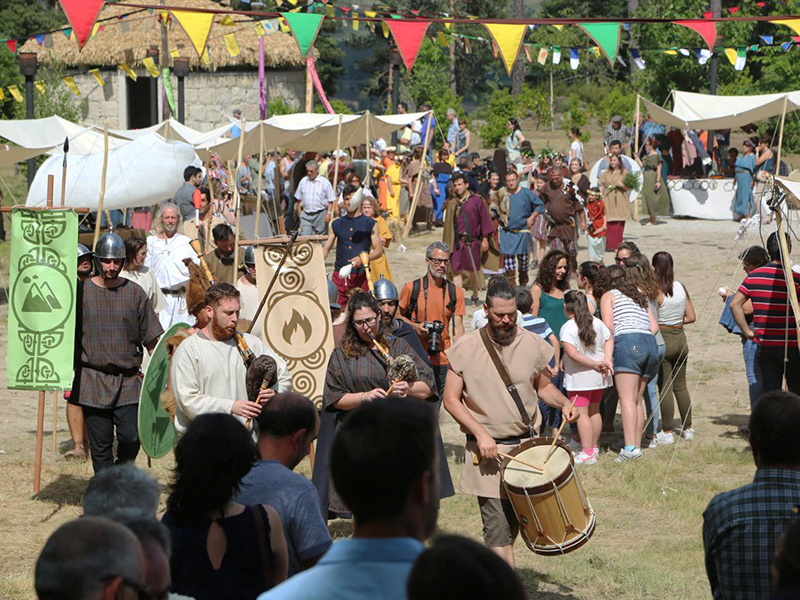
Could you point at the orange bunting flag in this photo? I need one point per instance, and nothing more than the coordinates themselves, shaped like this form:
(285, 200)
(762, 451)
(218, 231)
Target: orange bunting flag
(528, 53)
(508, 38)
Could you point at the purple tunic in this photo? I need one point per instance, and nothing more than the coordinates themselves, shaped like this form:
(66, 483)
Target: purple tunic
(478, 225)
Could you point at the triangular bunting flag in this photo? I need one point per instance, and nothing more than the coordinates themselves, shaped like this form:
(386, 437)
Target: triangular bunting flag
(2, 94)
(150, 65)
(95, 29)
(559, 27)
(508, 38)
(785, 46)
(793, 23)
(14, 91)
(637, 59)
(767, 39)
(270, 26)
(556, 55)
(206, 57)
(96, 74)
(385, 31)
(81, 15)
(408, 36)
(40, 86)
(67, 32)
(197, 26)
(542, 58)
(706, 29)
(39, 38)
(259, 28)
(737, 57)
(128, 71)
(232, 45)
(12, 45)
(596, 51)
(703, 55)
(175, 53)
(574, 59)
(467, 46)
(528, 53)
(441, 37)
(227, 21)
(355, 21)
(165, 77)
(683, 51)
(606, 35)
(70, 81)
(305, 28)
(733, 9)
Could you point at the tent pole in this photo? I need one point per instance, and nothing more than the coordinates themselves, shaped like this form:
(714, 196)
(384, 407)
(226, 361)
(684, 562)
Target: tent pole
(413, 208)
(102, 189)
(336, 167)
(260, 176)
(238, 198)
(636, 145)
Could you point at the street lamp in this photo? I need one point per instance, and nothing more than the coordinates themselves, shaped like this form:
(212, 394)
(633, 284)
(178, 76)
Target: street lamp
(180, 65)
(153, 53)
(28, 65)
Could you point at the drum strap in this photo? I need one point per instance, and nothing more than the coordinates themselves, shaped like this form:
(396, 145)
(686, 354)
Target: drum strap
(501, 370)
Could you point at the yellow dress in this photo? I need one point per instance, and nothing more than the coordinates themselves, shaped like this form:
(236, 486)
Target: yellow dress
(380, 266)
(393, 199)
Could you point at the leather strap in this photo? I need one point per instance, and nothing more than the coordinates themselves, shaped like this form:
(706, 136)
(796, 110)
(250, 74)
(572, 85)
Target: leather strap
(501, 370)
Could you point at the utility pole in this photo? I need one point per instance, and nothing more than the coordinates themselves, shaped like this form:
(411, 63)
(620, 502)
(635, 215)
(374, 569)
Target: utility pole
(165, 110)
(518, 71)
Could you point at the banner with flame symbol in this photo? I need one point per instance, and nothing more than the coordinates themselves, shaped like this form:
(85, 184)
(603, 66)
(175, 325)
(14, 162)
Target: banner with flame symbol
(296, 320)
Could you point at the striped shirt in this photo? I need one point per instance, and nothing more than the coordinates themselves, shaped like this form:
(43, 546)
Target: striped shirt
(537, 325)
(772, 323)
(629, 317)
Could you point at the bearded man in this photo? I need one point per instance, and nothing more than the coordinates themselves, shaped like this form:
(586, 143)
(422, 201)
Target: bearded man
(388, 301)
(496, 418)
(208, 373)
(165, 253)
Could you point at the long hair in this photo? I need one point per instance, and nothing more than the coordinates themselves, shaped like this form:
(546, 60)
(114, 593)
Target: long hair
(639, 272)
(158, 227)
(619, 281)
(515, 124)
(621, 164)
(575, 302)
(597, 276)
(664, 271)
(546, 277)
(352, 345)
(210, 462)
(132, 246)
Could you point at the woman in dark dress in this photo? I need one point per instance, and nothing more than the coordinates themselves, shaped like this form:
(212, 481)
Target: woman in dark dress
(220, 549)
(357, 373)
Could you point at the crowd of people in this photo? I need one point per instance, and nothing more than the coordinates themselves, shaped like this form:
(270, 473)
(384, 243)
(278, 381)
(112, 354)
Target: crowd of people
(240, 522)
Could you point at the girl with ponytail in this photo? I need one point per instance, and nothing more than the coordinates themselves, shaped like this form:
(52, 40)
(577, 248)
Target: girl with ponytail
(588, 354)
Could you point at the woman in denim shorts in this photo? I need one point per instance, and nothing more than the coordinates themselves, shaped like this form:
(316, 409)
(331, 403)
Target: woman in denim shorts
(624, 310)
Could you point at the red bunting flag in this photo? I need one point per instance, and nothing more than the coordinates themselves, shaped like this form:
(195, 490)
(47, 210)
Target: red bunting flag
(706, 29)
(708, 15)
(733, 9)
(81, 15)
(761, 4)
(12, 45)
(408, 36)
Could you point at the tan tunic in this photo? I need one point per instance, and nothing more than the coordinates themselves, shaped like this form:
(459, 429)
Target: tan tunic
(222, 272)
(486, 398)
(147, 281)
(249, 300)
(618, 205)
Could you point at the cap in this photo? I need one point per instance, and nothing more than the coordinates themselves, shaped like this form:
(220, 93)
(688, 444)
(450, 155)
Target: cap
(391, 148)
(237, 111)
(616, 119)
(333, 296)
(110, 245)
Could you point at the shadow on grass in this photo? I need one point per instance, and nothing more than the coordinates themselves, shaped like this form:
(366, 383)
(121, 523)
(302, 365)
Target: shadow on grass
(456, 451)
(340, 528)
(731, 420)
(65, 489)
(532, 580)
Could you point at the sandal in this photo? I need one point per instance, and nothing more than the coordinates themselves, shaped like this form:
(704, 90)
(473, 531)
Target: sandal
(77, 453)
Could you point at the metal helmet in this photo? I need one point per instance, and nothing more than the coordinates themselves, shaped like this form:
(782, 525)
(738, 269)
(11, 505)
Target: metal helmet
(83, 251)
(385, 290)
(110, 245)
(250, 255)
(333, 296)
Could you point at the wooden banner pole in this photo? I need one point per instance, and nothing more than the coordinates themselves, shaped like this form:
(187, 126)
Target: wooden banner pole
(336, 168)
(260, 176)
(636, 146)
(413, 208)
(238, 197)
(102, 189)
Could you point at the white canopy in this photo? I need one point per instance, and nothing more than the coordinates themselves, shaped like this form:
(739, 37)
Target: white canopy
(705, 111)
(49, 133)
(142, 172)
(172, 129)
(10, 155)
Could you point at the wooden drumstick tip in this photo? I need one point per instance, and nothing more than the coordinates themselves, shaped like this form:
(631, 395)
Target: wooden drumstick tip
(558, 433)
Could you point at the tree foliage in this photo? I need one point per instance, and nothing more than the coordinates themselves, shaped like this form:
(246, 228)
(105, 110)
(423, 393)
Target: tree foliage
(501, 105)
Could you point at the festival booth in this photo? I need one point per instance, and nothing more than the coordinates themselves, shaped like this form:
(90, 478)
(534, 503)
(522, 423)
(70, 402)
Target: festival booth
(712, 198)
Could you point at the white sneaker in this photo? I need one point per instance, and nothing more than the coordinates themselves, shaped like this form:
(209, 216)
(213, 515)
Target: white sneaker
(576, 447)
(625, 456)
(687, 434)
(665, 438)
(581, 458)
(649, 443)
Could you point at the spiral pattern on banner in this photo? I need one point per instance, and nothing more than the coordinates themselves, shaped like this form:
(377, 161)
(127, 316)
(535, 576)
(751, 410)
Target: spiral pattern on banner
(304, 383)
(316, 360)
(302, 253)
(292, 280)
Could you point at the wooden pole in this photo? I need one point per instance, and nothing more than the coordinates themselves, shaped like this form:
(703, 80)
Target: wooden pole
(279, 194)
(37, 463)
(636, 150)
(309, 91)
(238, 199)
(336, 168)
(413, 208)
(260, 176)
(102, 188)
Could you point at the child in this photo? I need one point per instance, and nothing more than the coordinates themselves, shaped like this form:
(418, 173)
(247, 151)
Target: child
(588, 350)
(539, 229)
(596, 238)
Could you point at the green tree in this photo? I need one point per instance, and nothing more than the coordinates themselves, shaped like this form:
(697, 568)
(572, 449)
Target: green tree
(329, 64)
(57, 98)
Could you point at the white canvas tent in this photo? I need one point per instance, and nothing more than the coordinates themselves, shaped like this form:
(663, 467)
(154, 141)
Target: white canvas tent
(175, 130)
(49, 134)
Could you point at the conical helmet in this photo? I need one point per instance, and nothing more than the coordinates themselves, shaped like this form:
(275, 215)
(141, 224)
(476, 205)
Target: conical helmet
(110, 245)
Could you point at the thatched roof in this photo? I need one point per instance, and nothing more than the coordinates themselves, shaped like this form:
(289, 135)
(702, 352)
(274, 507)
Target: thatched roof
(111, 46)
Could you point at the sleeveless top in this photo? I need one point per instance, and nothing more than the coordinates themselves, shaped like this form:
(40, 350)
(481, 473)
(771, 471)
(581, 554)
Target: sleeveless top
(671, 312)
(551, 309)
(629, 317)
(241, 574)
(352, 238)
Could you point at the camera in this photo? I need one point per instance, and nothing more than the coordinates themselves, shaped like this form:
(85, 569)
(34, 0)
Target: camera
(435, 330)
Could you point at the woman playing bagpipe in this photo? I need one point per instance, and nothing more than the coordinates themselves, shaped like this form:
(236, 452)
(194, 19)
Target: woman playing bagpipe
(368, 364)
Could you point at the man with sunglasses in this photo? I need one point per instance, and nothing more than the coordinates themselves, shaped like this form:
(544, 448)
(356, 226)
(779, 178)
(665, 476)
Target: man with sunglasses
(315, 197)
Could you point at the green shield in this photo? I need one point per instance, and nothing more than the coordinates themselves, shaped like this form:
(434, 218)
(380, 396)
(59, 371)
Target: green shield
(156, 431)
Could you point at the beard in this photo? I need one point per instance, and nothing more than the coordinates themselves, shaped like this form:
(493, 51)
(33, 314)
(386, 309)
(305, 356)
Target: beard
(171, 228)
(221, 333)
(503, 335)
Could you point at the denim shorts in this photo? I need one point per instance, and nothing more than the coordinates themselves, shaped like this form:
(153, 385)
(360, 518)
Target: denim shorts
(636, 353)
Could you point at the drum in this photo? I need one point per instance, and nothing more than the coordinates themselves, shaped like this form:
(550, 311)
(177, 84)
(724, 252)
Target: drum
(554, 514)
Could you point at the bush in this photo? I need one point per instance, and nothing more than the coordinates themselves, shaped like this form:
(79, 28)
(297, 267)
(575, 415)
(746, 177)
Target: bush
(575, 116)
(621, 100)
(278, 106)
(339, 108)
(534, 102)
(501, 106)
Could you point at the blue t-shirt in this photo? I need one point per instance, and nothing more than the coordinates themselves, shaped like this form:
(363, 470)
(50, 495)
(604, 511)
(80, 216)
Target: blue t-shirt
(297, 503)
(353, 238)
(537, 325)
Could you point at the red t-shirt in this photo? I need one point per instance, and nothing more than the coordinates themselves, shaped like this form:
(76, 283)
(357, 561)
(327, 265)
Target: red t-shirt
(773, 325)
(597, 213)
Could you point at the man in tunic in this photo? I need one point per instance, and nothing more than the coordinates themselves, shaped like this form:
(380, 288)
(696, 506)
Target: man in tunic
(249, 291)
(165, 253)
(208, 372)
(476, 397)
(315, 196)
(220, 260)
(469, 225)
(114, 321)
(564, 211)
(515, 236)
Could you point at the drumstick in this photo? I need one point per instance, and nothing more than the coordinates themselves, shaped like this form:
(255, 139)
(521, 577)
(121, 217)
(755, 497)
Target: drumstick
(477, 459)
(558, 433)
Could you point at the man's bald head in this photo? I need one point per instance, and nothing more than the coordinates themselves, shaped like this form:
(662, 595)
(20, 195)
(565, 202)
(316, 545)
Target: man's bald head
(773, 429)
(84, 557)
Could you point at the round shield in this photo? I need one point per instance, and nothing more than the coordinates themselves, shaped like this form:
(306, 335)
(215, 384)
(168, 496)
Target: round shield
(156, 430)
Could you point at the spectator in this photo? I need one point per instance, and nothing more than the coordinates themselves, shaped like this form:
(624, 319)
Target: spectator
(287, 426)
(453, 128)
(394, 508)
(90, 559)
(236, 131)
(741, 528)
(184, 197)
(773, 320)
(457, 568)
(786, 564)
(576, 146)
(121, 487)
(462, 141)
(315, 196)
(514, 143)
(616, 131)
(442, 173)
(615, 196)
(154, 540)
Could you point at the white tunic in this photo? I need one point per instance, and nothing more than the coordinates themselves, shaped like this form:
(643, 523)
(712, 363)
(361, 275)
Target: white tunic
(165, 259)
(148, 282)
(208, 376)
(249, 303)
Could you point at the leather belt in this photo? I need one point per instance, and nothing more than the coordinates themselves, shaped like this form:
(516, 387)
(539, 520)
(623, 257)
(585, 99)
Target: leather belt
(509, 441)
(173, 291)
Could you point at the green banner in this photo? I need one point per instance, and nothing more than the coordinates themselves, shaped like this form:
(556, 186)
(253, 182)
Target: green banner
(41, 319)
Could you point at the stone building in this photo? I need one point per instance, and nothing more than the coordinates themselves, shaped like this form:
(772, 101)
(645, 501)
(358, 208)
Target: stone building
(212, 88)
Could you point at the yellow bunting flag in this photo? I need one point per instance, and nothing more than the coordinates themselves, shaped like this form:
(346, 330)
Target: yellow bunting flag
(206, 57)
(596, 51)
(448, 26)
(227, 21)
(96, 74)
(355, 21)
(128, 71)
(40, 86)
(385, 29)
(14, 91)
(559, 27)
(2, 94)
(670, 52)
(280, 3)
(528, 53)
(731, 54)
(442, 39)
(793, 23)
(259, 30)
(508, 38)
(331, 12)
(284, 25)
(70, 81)
(196, 25)
(151, 67)
(174, 53)
(95, 29)
(542, 58)
(294, 2)
(231, 44)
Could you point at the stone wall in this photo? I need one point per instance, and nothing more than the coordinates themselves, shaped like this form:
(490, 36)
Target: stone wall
(209, 96)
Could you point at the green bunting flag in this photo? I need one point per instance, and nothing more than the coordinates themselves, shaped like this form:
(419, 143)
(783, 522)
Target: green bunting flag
(165, 77)
(606, 35)
(42, 295)
(305, 27)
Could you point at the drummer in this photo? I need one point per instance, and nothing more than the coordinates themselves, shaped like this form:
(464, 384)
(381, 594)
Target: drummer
(474, 394)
